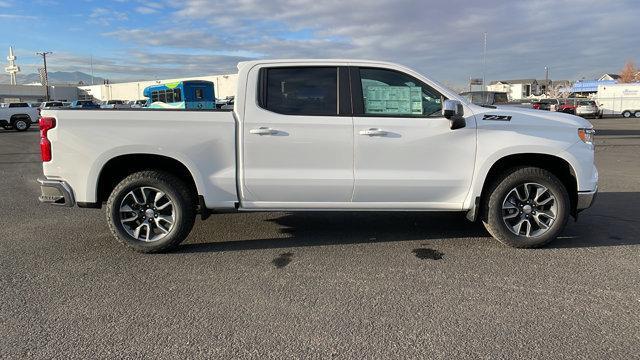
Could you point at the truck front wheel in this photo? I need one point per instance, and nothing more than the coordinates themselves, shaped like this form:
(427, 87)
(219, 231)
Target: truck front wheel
(526, 207)
(151, 211)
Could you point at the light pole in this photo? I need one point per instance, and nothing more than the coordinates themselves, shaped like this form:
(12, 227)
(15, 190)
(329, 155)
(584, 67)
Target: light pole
(46, 75)
(484, 61)
(546, 80)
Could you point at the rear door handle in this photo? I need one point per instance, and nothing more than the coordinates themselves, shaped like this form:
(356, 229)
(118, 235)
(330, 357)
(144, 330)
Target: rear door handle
(263, 131)
(373, 132)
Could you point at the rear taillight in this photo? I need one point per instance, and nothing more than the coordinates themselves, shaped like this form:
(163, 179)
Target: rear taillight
(46, 124)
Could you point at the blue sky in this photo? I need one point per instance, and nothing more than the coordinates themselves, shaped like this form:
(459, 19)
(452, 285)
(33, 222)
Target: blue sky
(131, 39)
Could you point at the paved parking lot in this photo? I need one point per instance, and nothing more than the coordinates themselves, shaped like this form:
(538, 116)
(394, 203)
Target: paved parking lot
(274, 285)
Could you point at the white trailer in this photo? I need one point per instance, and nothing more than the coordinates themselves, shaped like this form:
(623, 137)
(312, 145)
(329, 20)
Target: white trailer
(619, 99)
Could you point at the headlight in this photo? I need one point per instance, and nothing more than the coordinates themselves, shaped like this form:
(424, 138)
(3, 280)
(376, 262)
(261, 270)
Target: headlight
(586, 135)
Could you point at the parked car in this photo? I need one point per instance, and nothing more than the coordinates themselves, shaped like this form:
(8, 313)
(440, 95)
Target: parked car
(84, 104)
(322, 135)
(226, 103)
(546, 104)
(567, 106)
(114, 104)
(136, 104)
(587, 108)
(18, 117)
(51, 104)
(486, 97)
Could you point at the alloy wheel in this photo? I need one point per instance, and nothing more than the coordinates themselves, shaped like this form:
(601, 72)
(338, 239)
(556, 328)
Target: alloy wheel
(529, 210)
(147, 214)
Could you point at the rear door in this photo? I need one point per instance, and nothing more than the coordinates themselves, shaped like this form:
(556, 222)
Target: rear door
(297, 138)
(406, 155)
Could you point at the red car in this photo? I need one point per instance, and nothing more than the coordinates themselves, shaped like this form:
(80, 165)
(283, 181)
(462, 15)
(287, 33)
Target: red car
(567, 106)
(545, 104)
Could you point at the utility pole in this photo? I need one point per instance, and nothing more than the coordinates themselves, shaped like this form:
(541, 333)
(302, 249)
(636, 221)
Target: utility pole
(46, 74)
(91, 69)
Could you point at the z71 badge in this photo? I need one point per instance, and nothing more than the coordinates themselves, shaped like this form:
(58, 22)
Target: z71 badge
(497, 117)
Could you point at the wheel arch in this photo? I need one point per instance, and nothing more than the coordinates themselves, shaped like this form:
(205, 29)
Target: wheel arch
(119, 167)
(16, 117)
(558, 166)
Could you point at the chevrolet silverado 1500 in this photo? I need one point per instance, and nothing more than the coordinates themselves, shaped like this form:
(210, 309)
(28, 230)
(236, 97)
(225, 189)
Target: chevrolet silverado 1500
(307, 135)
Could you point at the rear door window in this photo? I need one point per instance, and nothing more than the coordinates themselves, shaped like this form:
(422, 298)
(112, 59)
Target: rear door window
(300, 90)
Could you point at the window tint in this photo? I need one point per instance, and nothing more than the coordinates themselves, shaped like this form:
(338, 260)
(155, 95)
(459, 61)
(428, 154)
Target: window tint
(18, 105)
(177, 96)
(387, 92)
(199, 94)
(301, 91)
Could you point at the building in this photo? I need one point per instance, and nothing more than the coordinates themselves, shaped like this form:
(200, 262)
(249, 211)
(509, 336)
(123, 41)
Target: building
(224, 85)
(516, 89)
(609, 77)
(33, 93)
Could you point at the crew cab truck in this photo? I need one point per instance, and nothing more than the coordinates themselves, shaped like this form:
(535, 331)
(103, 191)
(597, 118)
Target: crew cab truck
(18, 116)
(308, 135)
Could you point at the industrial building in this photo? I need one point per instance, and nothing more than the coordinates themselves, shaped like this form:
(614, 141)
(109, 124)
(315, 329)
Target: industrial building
(36, 93)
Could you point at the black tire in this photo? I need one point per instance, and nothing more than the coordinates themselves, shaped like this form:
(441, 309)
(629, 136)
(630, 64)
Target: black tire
(184, 205)
(21, 123)
(498, 192)
(626, 114)
(637, 114)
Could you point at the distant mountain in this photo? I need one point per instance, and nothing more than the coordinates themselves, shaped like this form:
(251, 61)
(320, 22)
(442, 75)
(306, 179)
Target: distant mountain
(56, 77)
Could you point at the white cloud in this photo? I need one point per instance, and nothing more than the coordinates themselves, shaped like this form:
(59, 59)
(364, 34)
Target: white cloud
(105, 16)
(444, 39)
(146, 10)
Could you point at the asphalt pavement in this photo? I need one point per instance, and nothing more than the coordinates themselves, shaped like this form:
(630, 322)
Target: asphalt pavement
(321, 285)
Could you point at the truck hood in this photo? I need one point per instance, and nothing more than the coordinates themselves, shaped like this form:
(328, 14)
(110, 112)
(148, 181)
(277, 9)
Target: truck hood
(524, 115)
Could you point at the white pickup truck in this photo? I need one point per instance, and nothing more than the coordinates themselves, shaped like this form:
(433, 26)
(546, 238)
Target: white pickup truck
(308, 135)
(18, 116)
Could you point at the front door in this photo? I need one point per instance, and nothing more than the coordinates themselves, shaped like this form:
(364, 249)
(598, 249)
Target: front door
(298, 141)
(406, 155)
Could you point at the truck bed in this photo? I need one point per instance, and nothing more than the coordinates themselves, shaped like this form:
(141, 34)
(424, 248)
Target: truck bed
(203, 140)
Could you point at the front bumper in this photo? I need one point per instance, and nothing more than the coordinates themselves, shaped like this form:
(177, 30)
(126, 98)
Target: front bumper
(586, 199)
(56, 192)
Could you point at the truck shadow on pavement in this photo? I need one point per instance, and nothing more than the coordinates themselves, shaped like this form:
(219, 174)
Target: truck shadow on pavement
(346, 228)
(612, 221)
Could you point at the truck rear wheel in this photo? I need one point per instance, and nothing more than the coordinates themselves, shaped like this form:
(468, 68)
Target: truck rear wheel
(526, 207)
(21, 123)
(151, 211)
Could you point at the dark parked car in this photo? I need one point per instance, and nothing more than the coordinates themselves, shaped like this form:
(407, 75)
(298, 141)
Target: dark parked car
(84, 104)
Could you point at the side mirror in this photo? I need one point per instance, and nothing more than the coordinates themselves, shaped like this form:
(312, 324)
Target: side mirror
(454, 111)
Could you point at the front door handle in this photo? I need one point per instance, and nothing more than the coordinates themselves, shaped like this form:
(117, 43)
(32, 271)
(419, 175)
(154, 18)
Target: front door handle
(263, 131)
(373, 132)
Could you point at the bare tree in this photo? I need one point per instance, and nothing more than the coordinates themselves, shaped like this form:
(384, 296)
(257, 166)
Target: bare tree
(629, 73)
(559, 91)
